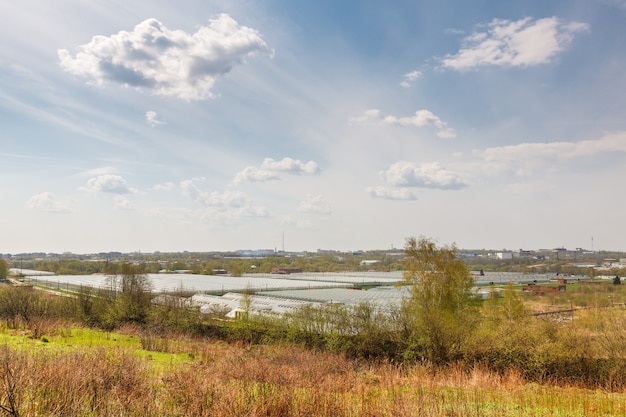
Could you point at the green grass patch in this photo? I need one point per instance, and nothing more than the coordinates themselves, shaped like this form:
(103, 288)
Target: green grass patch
(79, 338)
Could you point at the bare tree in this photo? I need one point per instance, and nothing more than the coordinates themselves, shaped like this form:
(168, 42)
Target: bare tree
(9, 398)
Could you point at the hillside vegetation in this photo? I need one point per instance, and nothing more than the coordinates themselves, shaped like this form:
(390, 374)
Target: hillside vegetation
(441, 353)
(81, 372)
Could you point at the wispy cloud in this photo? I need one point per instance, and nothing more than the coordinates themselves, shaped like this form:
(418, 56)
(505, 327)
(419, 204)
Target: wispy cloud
(121, 202)
(315, 204)
(521, 43)
(530, 157)
(98, 171)
(166, 62)
(421, 118)
(272, 170)
(224, 206)
(410, 78)
(47, 202)
(166, 186)
(153, 119)
(388, 193)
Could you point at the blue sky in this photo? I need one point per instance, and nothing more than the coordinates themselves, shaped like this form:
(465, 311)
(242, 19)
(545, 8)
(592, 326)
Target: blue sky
(222, 125)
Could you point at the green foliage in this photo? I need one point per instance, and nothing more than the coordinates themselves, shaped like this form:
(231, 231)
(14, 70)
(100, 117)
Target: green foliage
(504, 336)
(21, 304)
(92, 307)
(132, 292)
(437, 315)
(237, 269)
(4, 269)
(507, 309)
(173, 314)
(612, 338)
(362, 330)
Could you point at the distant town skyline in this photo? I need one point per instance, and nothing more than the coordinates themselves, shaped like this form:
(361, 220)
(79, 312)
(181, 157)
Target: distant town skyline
(500, 253)
(216, 125)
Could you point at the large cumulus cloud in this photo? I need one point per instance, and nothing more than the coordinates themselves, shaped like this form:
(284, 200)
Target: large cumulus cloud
(166, 62)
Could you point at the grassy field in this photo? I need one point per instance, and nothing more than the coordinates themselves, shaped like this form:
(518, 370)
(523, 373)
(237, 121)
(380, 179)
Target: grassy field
(76, 371)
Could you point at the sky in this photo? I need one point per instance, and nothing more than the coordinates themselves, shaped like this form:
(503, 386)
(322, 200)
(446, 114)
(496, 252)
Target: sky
(206, 125)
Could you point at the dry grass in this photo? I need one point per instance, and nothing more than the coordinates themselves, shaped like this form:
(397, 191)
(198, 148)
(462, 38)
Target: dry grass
(71, 378)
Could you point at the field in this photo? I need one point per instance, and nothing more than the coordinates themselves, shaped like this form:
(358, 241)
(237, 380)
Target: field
(83, 372)
(442, 351)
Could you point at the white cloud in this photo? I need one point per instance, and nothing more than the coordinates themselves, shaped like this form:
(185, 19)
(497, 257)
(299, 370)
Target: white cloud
(271, 170)
(166, 186)
(391, 193)
(98, 171)
(253, 174)
(402, 176)
(108, 183)
(526, 157)
(410, 78)
(166, 62)
(315, 204)
(222, 207)
(291, 166)
(430, 175)
(368, 116)
(227, 199)
(122, 203)
(421, 118)
(452, 31)
(153, 119)
(190, 189)
(522, 43)
(447, 133)
(47, 202)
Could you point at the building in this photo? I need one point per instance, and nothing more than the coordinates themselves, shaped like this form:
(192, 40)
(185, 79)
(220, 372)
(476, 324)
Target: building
(286, 271)
(542, 289)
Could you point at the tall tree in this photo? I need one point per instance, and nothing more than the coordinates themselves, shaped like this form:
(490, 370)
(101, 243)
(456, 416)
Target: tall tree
(438, 308)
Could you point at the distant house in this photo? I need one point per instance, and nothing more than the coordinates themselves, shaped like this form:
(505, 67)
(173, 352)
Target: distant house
(526, 254)
(286, 271)
(504, 255)
(542, 289)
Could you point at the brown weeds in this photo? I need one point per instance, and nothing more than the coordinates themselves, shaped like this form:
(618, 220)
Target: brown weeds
(229, 380)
